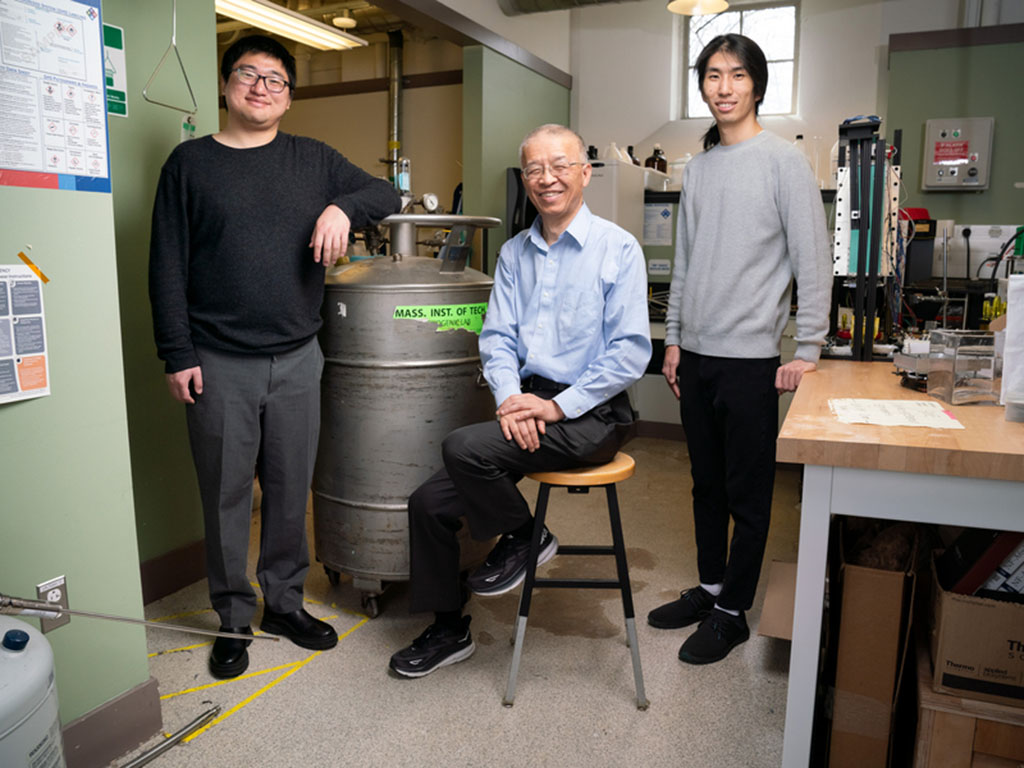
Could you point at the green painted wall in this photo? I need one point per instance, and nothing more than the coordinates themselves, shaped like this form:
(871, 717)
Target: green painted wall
(502, 101)
(68, 461)
(64, 463)
(167, 508)
(975, 81)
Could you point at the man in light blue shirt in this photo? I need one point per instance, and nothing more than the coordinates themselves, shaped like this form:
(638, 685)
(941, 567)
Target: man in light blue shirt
(566, 333)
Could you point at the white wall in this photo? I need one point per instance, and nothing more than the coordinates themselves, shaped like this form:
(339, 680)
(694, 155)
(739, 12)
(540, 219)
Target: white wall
(626, 80)
(545, 35)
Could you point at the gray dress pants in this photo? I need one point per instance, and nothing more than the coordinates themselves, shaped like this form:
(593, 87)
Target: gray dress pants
(257, 413)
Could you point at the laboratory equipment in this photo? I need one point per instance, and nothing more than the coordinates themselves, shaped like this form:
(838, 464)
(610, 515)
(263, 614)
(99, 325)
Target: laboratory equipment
(402, 370)
(964, 367)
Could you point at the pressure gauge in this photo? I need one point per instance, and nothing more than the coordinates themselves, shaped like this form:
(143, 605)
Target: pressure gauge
(429, 202)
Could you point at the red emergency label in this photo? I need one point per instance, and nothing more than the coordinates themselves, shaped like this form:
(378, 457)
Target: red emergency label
(950, 152)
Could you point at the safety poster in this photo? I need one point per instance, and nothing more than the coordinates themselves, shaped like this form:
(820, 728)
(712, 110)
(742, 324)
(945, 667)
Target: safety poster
(54, 128)
(24, 359)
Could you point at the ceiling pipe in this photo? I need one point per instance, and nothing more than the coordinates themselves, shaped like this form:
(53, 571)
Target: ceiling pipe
(518, 7)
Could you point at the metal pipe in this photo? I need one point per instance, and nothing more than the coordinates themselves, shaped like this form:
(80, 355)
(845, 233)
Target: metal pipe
(945, 274)
(395, 44)
(15, 606)
(403, 228)
(173, 739)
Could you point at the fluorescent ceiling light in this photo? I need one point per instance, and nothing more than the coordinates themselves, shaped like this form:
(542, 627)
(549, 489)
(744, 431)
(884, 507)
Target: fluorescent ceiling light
(281, 21)
(697, 7)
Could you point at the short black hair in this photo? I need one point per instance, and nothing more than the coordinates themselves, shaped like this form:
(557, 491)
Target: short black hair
(257, 44)
(750, 56)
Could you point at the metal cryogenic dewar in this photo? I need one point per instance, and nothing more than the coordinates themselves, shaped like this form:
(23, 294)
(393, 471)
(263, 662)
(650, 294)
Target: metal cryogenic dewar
(402, 370)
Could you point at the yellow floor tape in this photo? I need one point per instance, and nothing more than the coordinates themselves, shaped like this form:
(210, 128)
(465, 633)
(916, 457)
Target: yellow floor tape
(289, 668)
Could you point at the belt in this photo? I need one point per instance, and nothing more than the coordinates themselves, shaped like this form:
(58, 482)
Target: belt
(537, 383)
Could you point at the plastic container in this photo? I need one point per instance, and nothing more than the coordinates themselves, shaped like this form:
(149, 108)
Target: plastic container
(404, 176)
(675, 171)
(612, 152)
(964, 368)
(29, 723)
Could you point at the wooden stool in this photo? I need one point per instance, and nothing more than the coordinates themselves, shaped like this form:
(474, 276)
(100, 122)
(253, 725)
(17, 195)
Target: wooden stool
(581, 481)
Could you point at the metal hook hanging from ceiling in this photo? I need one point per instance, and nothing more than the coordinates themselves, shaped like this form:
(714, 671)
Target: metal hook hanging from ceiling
(172, 47)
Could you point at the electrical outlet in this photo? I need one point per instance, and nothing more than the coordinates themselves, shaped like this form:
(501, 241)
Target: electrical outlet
(54, 591)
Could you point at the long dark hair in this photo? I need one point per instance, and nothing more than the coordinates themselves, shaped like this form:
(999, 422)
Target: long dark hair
(750, 56)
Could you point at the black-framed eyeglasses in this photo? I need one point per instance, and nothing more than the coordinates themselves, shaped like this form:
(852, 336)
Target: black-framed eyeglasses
(249, 78)
(558, 170)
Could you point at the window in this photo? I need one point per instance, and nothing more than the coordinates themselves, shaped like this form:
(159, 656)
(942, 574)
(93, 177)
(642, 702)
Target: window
(773, 27)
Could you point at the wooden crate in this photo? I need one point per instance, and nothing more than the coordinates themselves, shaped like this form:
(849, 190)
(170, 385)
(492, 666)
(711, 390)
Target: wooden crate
(954, 732)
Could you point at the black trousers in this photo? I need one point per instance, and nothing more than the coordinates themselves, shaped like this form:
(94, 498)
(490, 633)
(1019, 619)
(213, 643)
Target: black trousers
(478, 483)
(730, 413)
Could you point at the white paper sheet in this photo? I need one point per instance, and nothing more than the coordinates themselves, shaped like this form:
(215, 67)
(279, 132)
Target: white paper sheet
(894, 413)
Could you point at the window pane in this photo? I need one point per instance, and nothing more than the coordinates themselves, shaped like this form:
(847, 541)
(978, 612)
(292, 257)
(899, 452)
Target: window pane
(704, 28)
(778, 99)
(773, 30)
(695, 106)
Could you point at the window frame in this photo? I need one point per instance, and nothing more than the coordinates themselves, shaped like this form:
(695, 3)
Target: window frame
(690, 82)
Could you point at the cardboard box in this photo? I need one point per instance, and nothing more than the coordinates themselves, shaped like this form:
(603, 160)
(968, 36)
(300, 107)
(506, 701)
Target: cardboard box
(958, 731)
(777, 614)
(977, 646)
(873, 645)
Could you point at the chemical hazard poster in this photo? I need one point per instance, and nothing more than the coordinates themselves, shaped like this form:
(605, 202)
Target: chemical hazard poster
(54, 128)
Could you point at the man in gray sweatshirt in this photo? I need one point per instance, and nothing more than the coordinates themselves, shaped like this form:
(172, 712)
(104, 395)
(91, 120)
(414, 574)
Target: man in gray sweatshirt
(750, 222)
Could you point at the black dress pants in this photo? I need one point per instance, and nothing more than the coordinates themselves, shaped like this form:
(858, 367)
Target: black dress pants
(478, 483)
(730, 413)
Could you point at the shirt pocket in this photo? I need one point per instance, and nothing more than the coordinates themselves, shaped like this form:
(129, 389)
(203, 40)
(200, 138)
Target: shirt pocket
(579, 317)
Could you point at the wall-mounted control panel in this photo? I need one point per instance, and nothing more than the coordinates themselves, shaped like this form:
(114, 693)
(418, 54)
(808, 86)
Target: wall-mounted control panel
(957, 153)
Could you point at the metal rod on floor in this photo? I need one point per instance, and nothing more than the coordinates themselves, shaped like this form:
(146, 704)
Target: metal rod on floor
(170, 741)
(18, 605)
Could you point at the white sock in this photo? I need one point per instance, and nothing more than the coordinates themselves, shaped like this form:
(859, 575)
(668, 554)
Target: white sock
(727, 610)
(714, 589)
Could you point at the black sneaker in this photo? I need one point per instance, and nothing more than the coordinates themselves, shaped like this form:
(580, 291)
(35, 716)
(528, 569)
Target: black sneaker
(692, 606)
(718, 634)
(505, 567)
(438, 646)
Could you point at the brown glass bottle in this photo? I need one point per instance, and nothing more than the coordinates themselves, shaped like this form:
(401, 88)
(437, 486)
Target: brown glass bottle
(657, 160)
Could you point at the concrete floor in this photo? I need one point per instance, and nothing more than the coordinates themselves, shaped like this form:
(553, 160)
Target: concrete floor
(575, 702)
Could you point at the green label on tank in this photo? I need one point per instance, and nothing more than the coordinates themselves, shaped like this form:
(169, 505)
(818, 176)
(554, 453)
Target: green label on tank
(447, 317)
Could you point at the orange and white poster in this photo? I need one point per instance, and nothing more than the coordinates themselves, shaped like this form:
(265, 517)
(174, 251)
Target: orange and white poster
(24, 357)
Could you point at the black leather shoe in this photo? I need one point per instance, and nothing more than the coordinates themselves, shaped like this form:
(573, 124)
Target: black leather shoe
(229, 657)
(301, 628)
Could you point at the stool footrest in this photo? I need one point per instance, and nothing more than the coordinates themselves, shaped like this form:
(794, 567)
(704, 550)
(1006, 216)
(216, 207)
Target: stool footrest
(584, 549)
(578, 583)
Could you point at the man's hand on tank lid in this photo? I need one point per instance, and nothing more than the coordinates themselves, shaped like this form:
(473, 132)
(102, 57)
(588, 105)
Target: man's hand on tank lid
(330, 236)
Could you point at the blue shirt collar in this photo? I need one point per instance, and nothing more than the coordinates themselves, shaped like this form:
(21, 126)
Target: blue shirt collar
(578, 229)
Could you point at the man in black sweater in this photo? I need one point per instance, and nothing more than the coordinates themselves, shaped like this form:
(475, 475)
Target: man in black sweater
(244, 223)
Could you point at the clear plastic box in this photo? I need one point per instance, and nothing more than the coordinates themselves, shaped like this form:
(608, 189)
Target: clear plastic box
(964, 367)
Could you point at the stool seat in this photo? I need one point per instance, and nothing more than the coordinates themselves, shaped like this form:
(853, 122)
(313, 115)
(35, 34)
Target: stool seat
(619, 468)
